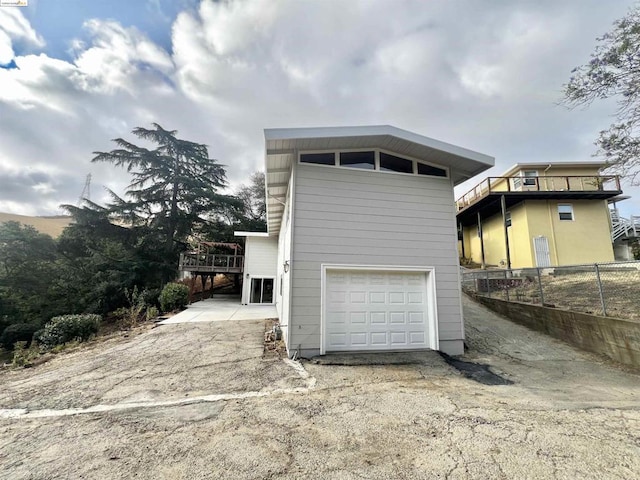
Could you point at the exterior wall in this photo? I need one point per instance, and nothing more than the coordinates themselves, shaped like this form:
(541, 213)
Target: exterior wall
(614, 337)
(494, 246)
(344, 216)
(261, 254)
(586, 239)
(283, 280)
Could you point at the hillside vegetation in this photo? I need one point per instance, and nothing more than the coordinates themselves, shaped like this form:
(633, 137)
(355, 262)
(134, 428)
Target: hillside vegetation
(114, 260)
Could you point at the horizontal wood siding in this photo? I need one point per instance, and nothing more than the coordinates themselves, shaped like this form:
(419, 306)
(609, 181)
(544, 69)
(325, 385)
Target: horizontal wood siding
(262, 254)
(371, 218)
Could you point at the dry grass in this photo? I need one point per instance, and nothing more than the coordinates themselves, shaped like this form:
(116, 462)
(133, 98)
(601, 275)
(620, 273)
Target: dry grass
(52, 226)
(579, 291)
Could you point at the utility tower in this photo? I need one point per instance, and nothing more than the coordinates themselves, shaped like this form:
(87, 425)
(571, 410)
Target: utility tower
(86, 191)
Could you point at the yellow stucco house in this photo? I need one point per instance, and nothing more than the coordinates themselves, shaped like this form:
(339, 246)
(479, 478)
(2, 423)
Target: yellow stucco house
(539, 214)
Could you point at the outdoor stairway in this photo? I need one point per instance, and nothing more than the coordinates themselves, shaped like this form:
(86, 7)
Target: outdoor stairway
(624, 227)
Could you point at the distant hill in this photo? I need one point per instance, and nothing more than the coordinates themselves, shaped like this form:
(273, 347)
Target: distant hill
(50, 225)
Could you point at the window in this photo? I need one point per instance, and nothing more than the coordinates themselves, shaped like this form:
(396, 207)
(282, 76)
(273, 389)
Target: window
(373, 160)
(565, 212)
(319, 158)
(391, 163)
(507, 219)
(530, 178)
(424, 169)
(261, 290)
(364, 160)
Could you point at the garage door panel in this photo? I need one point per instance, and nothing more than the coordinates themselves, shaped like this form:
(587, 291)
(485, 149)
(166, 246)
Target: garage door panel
(370, 310)
(337, 318)
(377, 297)
(379, 339)
(398, 338)
(415, 297)
(358, 297)
(359, 339)
(358, 318)
(338, 339)
(417, 338)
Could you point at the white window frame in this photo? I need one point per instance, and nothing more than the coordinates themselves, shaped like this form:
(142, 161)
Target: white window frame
(523, 180)
(376, 168)
(526, 177)
(262, 277)
(573, 215)
(432, 310)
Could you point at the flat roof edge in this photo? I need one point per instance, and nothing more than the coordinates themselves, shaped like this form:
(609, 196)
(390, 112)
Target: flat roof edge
(251, 234)
(371, 130)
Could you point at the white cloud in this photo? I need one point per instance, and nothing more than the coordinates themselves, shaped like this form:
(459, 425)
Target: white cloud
(482, 74)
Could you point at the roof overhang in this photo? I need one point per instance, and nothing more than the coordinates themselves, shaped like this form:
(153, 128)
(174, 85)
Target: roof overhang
(283, 144)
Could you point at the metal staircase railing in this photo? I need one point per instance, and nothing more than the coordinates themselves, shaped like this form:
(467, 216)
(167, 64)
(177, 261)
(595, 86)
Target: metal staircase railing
(624, 227)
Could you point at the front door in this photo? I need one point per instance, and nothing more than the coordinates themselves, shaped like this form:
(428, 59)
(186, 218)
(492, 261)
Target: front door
(261, 290)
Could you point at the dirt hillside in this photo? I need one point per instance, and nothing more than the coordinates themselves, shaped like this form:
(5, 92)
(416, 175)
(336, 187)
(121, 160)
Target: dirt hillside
(50, 225)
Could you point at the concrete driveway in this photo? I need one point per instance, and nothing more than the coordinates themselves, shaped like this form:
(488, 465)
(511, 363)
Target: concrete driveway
(200, 400)
(222, 308)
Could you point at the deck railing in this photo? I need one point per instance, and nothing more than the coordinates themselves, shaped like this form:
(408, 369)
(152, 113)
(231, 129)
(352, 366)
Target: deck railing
(567, 183)
(201, 262)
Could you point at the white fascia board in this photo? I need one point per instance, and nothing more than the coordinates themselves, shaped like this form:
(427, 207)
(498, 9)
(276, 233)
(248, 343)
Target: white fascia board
(519, 166)
(371, 130)
(250, 234)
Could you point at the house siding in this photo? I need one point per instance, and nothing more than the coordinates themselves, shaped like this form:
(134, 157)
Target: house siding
(260, 261)
(586, 239)
(283, 281)
(344, 216)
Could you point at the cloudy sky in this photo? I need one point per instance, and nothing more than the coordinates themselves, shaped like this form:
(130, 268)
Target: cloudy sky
(482, 74)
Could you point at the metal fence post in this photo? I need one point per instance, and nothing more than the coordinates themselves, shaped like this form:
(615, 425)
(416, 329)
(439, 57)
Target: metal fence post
(506, 285)
(602, 301)
(488, 287)
(540, 287)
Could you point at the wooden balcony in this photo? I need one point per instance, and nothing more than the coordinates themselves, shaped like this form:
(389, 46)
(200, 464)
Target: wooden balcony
(485, 196)
(198, 263)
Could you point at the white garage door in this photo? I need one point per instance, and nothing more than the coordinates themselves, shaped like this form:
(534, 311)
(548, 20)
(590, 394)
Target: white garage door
(376, 310)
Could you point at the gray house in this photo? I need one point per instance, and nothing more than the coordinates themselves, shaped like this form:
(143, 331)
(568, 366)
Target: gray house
(361, 250)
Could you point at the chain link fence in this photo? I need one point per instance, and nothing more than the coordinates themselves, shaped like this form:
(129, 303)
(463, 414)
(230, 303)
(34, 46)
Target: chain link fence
(608, 289)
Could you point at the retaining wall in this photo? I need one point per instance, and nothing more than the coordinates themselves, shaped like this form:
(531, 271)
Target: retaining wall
(616, 338)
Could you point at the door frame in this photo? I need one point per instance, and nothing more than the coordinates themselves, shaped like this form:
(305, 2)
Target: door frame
(262, 277)
(430, 285)
(548, 252)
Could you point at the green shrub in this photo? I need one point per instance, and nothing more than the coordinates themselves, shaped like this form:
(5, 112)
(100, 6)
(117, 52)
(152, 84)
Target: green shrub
(174, 296)
(65, 328)
(150, 297)
(18, 332)
(152, 312)
(23, 356)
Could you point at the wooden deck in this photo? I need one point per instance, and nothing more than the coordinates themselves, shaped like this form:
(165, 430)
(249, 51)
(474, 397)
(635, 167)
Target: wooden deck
(198, 263)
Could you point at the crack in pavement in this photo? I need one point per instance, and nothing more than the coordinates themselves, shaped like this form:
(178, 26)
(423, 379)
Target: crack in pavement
(24, 413)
